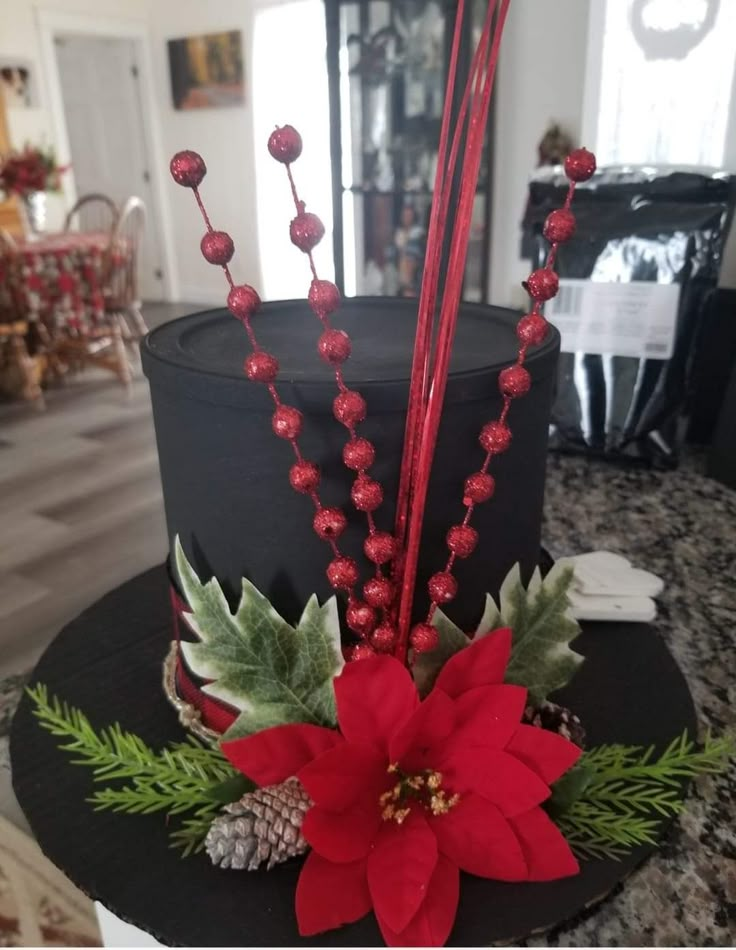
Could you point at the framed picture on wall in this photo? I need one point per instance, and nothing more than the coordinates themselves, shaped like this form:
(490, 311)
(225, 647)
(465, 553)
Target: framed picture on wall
(17, 86)
(207, 71)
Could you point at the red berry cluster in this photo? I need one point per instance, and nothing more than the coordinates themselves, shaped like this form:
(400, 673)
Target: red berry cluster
(188, 169)
(513, 382)
(349, 408)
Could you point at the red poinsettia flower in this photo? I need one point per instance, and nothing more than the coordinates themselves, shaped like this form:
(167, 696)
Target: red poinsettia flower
(409, 793)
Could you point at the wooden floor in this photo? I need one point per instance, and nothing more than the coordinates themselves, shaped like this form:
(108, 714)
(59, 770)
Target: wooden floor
(80, 502)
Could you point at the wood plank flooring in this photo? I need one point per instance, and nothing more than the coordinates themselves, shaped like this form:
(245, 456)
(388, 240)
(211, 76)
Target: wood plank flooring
(80, 502)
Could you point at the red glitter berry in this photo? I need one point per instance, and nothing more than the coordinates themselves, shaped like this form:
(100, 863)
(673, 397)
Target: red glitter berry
(580, 165)
(442, 587)
(304, 476)
(243, 301)
(324, 297)
(349, 408)
(358, 454)
(187, 168)
(261, 367)
(286, 422)
(217, 247)
(378, 592)
(380, 547)
(285, 144)
(479, 487)
(366, 493)
(514, 381)
(532, 329)
(495, 437)
(306, 231)
(360, 617)
(559, 226)
(342, 572)
(423, 638)
(462, 540)
(334, 346)
(361, 651)
(383, 638)
(542, 284)
(329, 523)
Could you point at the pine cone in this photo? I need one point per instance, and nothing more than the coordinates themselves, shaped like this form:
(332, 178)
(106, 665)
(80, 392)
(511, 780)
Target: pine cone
(556, 719)
(265, 825)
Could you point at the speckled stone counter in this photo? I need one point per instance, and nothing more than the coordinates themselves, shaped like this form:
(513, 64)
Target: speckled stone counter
(682, 526)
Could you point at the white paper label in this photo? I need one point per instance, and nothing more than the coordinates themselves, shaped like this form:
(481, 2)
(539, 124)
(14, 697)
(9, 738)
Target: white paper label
(634, 319)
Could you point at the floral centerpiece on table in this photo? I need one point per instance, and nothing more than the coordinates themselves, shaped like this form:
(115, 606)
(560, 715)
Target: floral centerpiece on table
(32, 169)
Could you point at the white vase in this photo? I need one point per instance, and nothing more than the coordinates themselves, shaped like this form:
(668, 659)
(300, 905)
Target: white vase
(34, 206)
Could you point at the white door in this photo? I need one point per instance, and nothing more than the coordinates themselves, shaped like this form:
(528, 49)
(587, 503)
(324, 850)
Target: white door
(100, 84)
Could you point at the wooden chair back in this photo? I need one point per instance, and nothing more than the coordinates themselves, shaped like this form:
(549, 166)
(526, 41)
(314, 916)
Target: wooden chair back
(93, 212)
(122, 280)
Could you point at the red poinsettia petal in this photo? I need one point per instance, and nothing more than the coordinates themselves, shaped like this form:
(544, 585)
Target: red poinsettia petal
(495, 775)
(342, 836)
(330, 895)
(400, 867)
(547, 753)
(417, 743)
(475, 836)
(488, 716)
(548, 855)
(432, 923)
(276, 754)
(483, 663)
(345, 775)
(374, 698)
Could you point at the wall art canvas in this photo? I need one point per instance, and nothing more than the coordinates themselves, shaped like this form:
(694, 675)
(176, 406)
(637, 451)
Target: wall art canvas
(17, 83)
(207, 71)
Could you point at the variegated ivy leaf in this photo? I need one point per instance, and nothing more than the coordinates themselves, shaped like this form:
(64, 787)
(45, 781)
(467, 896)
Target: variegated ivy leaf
(542, 625)
(272, 672)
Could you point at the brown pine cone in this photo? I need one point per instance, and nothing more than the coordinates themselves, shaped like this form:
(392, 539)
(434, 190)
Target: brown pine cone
(265, 825)
(556, 719)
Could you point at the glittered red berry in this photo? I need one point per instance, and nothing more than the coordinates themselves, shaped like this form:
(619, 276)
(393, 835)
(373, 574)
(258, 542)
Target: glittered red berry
(378, 592)
(442, 587)
(286, 422)
(462, 540)
(285, 144)
(324, 297)
(542, 284)
(366, 493)
(532, 329)
(423, 638)
(329, 523)
(514, 381)
(361, 651)
(360, 618)
(217, 247)
(243, 301)
(342, 572)
(358, 454)
(383, 638)
(559, 226)
(304, 476)
(334, 346)
(479, 487)
(306, 231)
(380, 547)
(261, 367)
(349, 408)
(495, 437)
(187, 168)
(580, 165)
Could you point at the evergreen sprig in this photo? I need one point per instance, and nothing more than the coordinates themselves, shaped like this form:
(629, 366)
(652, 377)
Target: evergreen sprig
(617, 796)
(185, 777)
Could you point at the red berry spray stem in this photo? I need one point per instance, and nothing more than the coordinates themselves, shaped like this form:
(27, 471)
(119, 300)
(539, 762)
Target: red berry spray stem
(188, 169)
(349, 407)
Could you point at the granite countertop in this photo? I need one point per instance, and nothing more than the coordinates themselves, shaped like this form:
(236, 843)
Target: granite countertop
(681, 526)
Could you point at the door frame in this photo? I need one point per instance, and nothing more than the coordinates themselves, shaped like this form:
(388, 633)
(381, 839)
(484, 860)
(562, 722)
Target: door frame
(51, 24)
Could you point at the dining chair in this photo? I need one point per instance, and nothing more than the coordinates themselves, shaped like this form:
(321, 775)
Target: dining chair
(93, 212)
(122, 296)
(20, 373)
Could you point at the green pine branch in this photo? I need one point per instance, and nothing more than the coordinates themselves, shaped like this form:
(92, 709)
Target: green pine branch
(617, 796)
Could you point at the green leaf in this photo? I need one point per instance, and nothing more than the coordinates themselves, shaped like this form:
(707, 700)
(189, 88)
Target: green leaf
(428, 665)
(272, 672)
(567, 790)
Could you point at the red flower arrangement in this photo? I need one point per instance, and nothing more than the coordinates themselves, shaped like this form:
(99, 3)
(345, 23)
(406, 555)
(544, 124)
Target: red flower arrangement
(407, 793)
(33, 169)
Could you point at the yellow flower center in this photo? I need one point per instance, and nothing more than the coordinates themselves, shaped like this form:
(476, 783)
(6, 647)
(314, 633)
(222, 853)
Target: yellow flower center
(422, 788)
